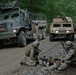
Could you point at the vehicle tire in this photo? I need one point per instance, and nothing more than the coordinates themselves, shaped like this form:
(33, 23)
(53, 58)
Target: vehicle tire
(71, 38)
(1, 44)
(51, 37)
(21, 40)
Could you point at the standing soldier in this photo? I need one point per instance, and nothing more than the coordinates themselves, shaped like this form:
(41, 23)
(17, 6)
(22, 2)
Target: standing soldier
(35, 30)
(31, 54)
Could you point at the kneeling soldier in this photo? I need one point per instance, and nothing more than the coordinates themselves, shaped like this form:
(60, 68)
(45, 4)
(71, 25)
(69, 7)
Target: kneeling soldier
(31, 54)
(70, 58)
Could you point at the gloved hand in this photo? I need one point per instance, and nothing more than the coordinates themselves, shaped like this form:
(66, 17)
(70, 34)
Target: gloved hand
(68, 61)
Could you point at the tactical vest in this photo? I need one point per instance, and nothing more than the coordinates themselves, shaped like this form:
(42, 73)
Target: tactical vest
(73, 58)
(28, 49)
(33, 28)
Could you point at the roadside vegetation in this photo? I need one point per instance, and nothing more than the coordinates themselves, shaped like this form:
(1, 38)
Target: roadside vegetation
(52, 8)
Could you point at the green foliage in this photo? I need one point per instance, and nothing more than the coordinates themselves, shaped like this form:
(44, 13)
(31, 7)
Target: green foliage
(52, 8)
(61, 7)
(3, 1)
(32, 5)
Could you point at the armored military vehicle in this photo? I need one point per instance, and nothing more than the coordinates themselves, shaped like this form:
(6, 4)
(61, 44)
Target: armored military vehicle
(62, 28)
(16, 23)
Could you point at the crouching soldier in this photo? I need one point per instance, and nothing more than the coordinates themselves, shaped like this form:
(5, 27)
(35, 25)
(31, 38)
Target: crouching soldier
(31, 54)
(70, 58)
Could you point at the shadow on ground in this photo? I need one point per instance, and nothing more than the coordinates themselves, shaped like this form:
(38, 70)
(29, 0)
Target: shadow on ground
(14, 45)
(61, 40)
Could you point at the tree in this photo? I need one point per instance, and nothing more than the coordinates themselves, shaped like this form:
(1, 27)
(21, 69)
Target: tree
(52, 8)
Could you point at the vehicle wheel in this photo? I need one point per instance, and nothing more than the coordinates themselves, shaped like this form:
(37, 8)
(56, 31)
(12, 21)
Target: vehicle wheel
(21, 39)
(51, 37)
(1, 44)
(71, 38)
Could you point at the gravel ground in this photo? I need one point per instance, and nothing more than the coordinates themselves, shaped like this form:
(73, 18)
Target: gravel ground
(55, 51)
(11, 66)
(11, 56)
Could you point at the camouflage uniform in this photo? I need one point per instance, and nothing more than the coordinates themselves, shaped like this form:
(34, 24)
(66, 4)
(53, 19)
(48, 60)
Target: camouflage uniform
(31, 54)
(55, 63)
(70, 58)
(35, 30)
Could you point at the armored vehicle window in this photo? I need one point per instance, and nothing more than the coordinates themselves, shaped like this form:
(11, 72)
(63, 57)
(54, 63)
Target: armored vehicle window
(66, 25)
(23, 14)
(1, 17)
(15, 15)
(6, 17)
(57, 25)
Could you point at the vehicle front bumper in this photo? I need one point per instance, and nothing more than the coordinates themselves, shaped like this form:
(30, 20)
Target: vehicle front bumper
(61, 35)
(7, 35)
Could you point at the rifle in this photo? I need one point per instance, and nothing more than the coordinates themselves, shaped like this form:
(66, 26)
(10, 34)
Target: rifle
(62, 43)
(44, 60)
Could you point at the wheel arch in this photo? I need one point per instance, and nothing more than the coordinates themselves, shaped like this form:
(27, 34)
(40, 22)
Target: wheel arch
(21, 29)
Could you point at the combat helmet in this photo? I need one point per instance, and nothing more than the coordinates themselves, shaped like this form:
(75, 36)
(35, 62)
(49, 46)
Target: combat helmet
(68, 43)
(36, 23)
(36, 43)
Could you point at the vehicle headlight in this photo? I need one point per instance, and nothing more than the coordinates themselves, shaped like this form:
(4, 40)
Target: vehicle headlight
(67, 31)
(57, 31)
(14, 31)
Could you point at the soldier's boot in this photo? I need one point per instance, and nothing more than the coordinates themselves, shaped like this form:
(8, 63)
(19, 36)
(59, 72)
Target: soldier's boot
(37, 62)
(54, 66)
(22, 63)
(31, 63)
(63, 66)
(68, 62)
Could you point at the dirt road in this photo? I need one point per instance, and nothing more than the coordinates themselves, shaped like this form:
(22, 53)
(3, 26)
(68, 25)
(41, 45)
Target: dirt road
(10, 57)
